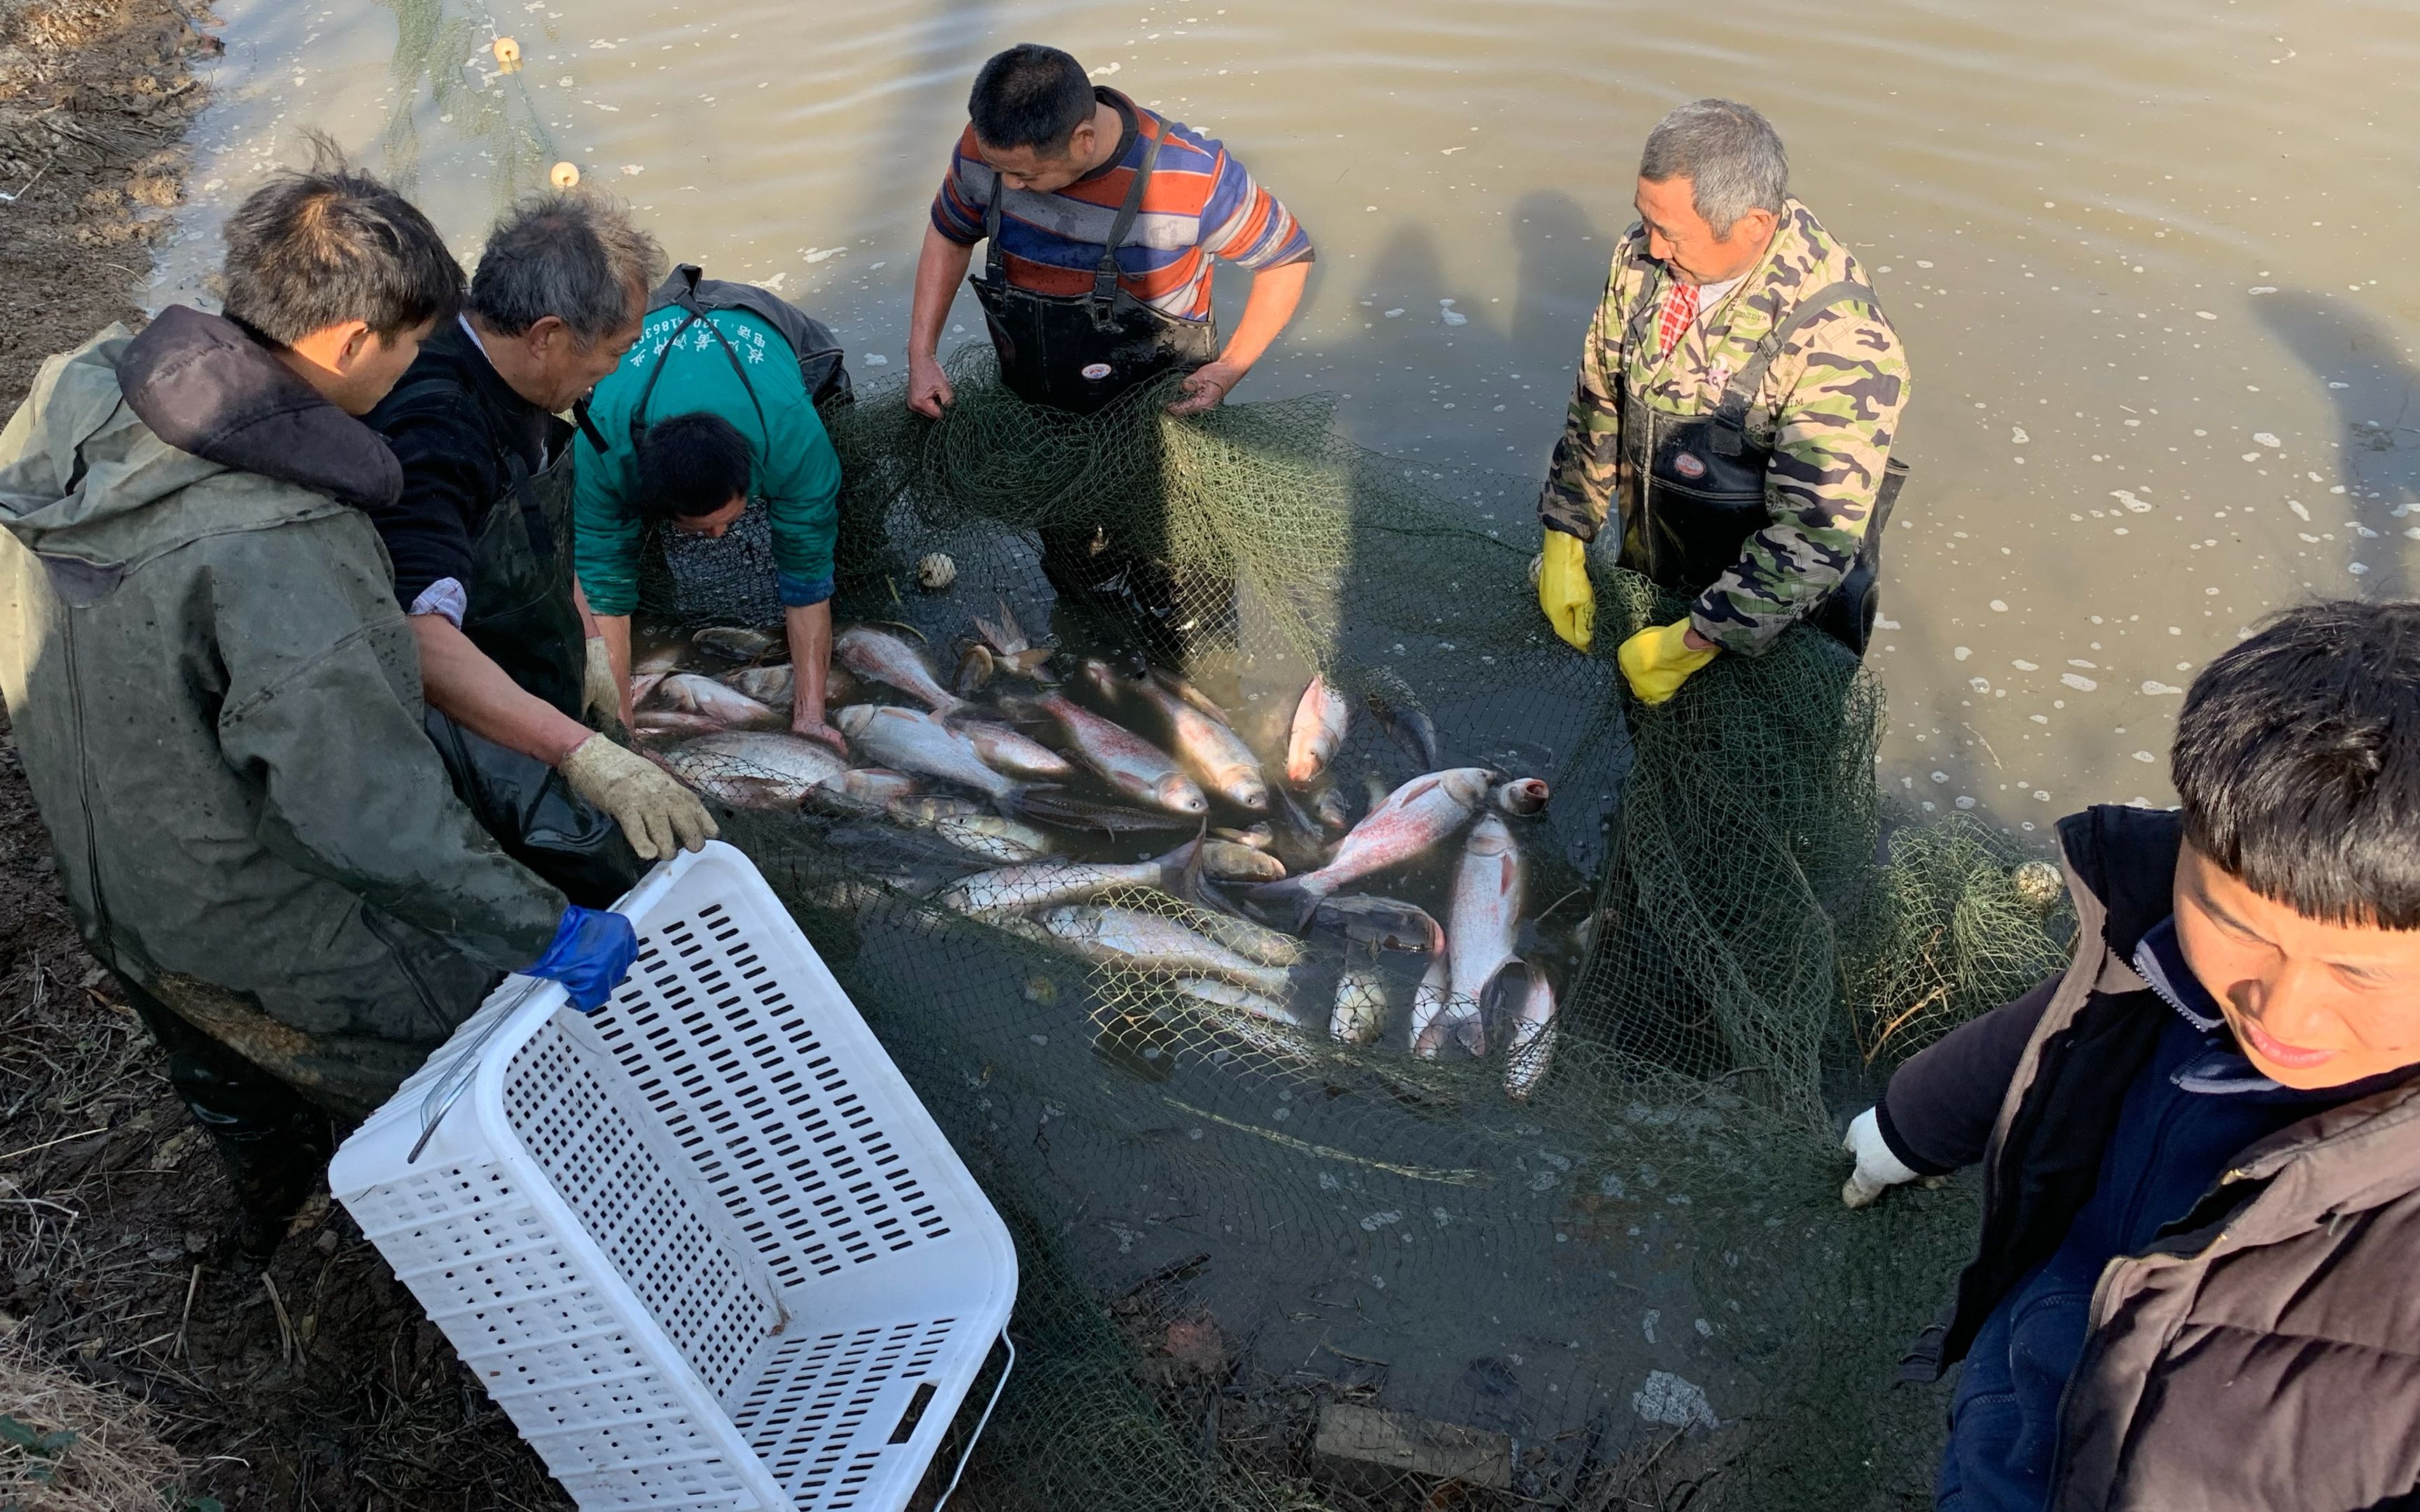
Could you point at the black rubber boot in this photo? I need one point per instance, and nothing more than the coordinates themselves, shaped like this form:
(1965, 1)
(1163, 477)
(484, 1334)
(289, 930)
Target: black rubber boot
(275, 1142)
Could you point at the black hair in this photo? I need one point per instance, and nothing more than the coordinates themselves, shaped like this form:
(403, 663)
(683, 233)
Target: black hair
(316, 248)
(570, 254)
(1030, 95)
(689, 466)
(2298, 758)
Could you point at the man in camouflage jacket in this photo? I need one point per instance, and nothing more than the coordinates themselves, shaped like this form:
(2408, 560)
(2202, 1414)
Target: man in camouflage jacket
(1653, 381)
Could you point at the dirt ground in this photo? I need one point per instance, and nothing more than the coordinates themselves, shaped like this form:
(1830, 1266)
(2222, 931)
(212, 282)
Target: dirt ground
(314, 1383)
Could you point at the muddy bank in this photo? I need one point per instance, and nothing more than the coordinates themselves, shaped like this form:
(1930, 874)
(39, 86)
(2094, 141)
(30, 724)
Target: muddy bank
(316, 1384)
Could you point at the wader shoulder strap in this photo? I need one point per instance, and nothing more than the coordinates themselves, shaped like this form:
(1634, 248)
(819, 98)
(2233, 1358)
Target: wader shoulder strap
(1731, 416)
(1105, 273)
(685, 295)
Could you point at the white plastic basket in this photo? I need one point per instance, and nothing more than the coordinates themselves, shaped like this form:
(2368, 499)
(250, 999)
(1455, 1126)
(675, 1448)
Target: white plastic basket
(706, 1247)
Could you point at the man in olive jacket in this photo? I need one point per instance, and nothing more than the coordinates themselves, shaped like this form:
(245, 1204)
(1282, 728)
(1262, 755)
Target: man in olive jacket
(2196, 1284)
(217, 701)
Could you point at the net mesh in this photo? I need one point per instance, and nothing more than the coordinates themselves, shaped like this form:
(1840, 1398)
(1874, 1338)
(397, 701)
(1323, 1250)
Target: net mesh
(1279, 1250)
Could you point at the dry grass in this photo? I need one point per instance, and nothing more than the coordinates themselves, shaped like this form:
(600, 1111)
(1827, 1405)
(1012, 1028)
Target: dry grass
(66, 1447)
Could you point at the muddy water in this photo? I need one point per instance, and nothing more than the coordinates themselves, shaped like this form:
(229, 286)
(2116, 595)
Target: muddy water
(2141, 254)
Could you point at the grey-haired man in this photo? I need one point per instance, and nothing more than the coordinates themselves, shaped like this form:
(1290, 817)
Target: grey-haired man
(481, 534)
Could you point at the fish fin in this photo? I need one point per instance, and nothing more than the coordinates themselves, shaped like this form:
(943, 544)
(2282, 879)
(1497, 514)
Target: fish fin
(1011, 628)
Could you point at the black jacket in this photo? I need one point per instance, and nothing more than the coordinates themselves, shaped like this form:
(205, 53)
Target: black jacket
(455, 424)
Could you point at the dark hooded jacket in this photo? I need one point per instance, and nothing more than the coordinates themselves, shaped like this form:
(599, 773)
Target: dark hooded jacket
(217, 701)
(2263, 1352)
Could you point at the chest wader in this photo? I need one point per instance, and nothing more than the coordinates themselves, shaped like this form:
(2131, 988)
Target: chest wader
(1692, 488)
(1077, 353)
(520, 613)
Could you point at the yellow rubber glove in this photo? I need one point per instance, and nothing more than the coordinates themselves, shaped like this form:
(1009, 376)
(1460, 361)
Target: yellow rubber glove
(658, 815)
(1657, 661)
(1564, 591)
(600, 692)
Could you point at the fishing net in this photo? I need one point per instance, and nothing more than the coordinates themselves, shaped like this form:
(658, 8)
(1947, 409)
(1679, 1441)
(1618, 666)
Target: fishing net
(1273, 1254)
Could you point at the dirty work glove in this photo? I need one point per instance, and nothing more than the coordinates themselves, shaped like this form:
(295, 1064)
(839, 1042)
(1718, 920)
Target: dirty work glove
(1657, 661)
(592, 952)
(1564, 591)
(657, 815)
(600, 692)
(1878, 1169)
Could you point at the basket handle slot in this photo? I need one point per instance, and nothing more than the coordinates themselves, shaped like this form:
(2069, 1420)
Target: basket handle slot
(915, 1413)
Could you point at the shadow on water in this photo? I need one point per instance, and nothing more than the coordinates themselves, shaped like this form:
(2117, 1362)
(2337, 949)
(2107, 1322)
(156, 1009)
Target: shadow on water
(2376, 395)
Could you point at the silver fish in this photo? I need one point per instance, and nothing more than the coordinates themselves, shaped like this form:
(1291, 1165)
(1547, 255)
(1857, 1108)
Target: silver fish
(1360, 1013)
(774, 686)
(1385, 923)
(1231, 862)
(1533, 1048)
(1320, 719)
(1259, 837)
(1254, 942)
(1252, 1019)
(1147, 942)
(1483, 926)
(1046, 884)
(1130, 763)
(863, 790)
(1333, 811)
(893, 662)
(1005, 751)
(1523, 795)
(752, 770)
(689, 693)
(910, 740)
(1409, 726)
(966, 826)
(1209, 749)
(661, 659)
(1243, 999)
(1415, 817)
(672, 724)
(1430, 999)
(1192, 695)
(733, 643)
(643, 684)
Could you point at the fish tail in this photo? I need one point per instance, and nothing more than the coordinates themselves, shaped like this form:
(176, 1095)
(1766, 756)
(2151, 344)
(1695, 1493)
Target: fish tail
(1303, 894)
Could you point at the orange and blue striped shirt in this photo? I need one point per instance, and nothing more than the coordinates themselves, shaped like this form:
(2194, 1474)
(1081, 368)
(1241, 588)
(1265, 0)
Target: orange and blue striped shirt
(1201, 203)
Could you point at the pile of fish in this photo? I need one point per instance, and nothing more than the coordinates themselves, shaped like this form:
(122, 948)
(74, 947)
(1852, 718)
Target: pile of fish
(1266, 870)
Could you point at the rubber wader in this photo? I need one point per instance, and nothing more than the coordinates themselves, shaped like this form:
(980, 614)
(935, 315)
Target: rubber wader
(1693, 486)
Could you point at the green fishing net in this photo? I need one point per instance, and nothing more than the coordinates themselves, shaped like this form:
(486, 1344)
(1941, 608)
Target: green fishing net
(1268, 1267)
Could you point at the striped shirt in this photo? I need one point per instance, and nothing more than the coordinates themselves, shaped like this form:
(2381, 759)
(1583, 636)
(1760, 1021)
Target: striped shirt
(1200, 204)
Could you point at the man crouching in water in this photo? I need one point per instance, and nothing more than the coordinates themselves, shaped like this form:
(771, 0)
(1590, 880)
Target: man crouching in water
(2201, 1145)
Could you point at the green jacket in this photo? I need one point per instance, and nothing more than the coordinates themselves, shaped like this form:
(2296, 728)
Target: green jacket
(1828, 407)
(796, 472)
(217, 702)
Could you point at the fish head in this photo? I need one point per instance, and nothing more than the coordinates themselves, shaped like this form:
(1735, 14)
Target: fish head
(1231, 862)
(1181, 795)
(1465, 785)
(852, 719)
(975, 667)
(1523, 795)
(1249, 791)
(1490, 837)
(1105, 681)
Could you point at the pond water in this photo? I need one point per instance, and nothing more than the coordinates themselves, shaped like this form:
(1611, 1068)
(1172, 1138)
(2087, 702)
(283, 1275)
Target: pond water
(2163, 376)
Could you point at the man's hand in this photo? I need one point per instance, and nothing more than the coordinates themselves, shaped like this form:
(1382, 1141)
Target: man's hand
(657, 815)
(928, 386)
(1206, 386)
(805, 724)
(602, 693)
(1878, 1170)
(1659, 660)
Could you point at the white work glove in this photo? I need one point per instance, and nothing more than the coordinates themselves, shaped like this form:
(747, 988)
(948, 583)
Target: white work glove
(1878, 1169)
(600, 691)
(656, 813)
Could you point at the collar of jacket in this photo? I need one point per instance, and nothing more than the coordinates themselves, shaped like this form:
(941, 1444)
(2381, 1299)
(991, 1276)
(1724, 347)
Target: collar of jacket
(509, 417)
(204, 386)
(1800, 259)
(2121, 865)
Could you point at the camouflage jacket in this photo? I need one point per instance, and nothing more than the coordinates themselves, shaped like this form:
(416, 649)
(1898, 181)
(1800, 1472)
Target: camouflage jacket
(1828, 410)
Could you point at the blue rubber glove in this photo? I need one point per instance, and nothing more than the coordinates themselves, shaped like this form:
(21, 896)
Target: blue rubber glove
(592, 952)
